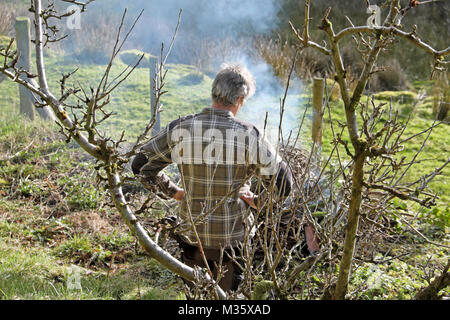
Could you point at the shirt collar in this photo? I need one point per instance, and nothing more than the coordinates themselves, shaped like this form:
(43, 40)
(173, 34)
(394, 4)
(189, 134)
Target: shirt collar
(219, 112)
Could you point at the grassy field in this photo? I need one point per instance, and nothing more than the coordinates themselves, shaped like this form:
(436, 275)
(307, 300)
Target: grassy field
(53, 216)
(54, 219)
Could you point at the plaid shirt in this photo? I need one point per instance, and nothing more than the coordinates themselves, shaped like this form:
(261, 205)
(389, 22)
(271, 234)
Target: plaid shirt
(213, 184)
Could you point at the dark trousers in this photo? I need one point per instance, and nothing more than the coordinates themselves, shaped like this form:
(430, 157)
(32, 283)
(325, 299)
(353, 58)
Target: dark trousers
(192, 257)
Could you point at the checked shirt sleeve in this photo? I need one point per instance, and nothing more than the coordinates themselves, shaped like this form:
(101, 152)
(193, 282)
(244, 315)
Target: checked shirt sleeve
(274, 173)
(148, 163)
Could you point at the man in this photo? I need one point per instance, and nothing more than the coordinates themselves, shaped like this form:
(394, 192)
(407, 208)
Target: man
(217, 154)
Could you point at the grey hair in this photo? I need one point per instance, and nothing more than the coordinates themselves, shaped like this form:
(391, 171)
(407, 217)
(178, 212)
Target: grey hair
(232, 82)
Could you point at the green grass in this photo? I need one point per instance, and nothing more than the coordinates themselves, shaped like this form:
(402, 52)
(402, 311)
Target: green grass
(397, 279)
(188, 92)
(35, 273)
(53, 216)
(403, 97)
(37, 254)
(131, 101)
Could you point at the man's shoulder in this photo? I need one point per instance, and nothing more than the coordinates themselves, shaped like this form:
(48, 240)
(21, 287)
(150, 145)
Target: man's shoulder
(236, 123)
(247, 126)
(180, 120)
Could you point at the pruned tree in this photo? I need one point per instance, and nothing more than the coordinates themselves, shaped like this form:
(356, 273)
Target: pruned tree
(367, 144)
(84, 130)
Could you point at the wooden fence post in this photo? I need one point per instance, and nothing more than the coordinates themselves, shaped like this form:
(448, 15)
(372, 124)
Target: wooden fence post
(27, 100)
(153, 62)
(24, 48)
(318, 88)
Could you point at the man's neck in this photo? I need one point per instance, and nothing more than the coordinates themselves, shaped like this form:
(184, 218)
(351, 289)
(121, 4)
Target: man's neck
(234, 108)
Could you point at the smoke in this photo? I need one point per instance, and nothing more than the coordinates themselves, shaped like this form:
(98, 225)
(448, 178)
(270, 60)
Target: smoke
(264, 108)
(213, 32)
(202, 19)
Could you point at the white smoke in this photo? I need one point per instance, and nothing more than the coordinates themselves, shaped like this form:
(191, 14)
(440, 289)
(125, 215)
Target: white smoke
(208, 19)
(216, 20)
(267, 99)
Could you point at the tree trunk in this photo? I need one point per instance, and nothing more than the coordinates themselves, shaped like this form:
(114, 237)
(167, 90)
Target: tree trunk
(351, 228)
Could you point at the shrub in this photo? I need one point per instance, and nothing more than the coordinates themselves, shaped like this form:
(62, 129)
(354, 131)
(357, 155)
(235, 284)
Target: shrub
(95, 41)
(279, 55)
(4, 42)
(192, 79)
(9, 10)
(79, 248)
(393, 78)
(334, 91)
(397, 96)
(7, 19)
(130, 57)
(80, 193)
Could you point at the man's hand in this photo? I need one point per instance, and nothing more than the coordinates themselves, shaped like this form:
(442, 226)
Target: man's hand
(179, 195)
(311, 239)
(249, 197)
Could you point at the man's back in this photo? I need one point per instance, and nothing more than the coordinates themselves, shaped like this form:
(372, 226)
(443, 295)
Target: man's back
(216, 154)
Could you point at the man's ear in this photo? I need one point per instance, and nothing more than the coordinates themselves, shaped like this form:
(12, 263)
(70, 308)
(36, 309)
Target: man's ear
(240, 100)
